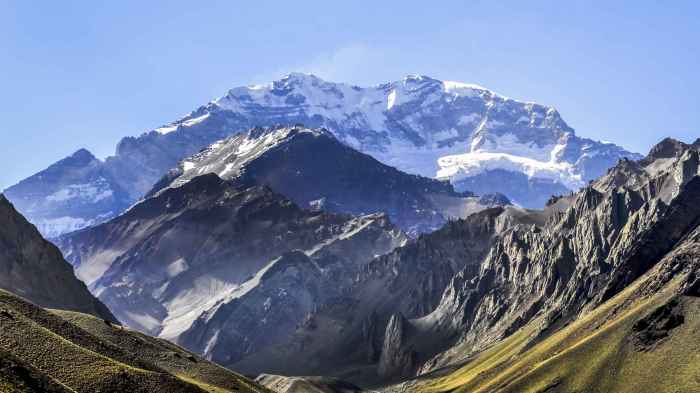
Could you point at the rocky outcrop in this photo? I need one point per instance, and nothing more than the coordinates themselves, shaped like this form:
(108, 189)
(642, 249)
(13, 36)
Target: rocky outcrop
(657, 326)
(397, 359)
(33, 268)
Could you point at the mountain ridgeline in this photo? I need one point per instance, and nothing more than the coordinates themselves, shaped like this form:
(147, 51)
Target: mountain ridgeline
(479, 140)
(316, 171)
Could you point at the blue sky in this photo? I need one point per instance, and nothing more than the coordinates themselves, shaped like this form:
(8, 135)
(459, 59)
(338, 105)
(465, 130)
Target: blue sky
(80, 74)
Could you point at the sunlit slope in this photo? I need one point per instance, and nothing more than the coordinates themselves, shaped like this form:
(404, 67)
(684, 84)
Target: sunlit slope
(170, 357)
(636, 342)
(17, 376)
(69, 358)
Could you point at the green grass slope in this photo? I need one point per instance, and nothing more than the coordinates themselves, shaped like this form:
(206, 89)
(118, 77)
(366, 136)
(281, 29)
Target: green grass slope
(164, 354)
(51, 349)
(17, 376)
(639, 341)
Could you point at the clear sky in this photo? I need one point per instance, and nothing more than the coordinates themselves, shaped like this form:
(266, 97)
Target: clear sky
(80, 74)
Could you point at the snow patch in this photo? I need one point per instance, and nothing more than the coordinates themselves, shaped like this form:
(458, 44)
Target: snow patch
(391, 100)
(146, 322)
(88, 192)
(52, 227)
(176, 267)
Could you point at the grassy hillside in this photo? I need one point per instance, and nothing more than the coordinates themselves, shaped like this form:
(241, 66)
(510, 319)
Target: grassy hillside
(67, 351)
(633, 343)
(166, 355)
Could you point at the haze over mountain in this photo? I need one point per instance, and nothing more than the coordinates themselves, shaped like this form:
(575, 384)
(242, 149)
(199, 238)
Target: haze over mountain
(479, 140)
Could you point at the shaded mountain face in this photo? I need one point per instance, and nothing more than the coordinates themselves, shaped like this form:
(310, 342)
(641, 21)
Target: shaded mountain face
(35, 269)
(66, 351)
(631, 235)
(343, 335)
(316, 171)
(418, 125)
(198, 250)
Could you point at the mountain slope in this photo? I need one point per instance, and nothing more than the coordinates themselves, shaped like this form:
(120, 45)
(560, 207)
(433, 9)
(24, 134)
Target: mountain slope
(49, 353)
(344, 335)
(644, 339)
(547, 298)
(75, 192)
(419, 125)
(188, 251)
(16, 376)
(315, 170)
(35, 269)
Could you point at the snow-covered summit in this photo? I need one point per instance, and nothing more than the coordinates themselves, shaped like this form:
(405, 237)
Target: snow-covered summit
(481, 140)
(426, 126)
(229, 157)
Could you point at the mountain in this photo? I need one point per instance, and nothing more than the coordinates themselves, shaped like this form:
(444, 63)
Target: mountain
(196, 250)
(71, 194)
(65, 351)
(35, 269)
(508, 299)
(343, 334)
(357, 335)
(602, 296)
(316, 171)
(479, 140)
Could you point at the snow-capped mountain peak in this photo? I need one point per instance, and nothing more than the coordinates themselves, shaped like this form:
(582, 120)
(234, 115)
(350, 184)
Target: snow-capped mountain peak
(430, 127)
(480, 140)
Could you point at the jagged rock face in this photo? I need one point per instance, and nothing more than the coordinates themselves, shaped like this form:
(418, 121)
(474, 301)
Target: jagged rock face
(350, 334)
(580, 258)
(199, 250)
(461, 132)
(397, 359)
(286, 293)
(71, 194)
(315, 170)
(33, 268)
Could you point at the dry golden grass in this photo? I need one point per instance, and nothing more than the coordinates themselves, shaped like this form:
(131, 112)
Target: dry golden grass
(593, 354)
(95, 356)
